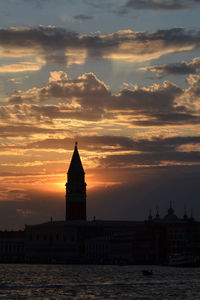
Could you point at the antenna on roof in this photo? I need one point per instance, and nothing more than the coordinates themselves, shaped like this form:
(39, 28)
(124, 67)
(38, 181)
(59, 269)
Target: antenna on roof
(150, 214)
(191, 216)
(157, 211)
(185, 213)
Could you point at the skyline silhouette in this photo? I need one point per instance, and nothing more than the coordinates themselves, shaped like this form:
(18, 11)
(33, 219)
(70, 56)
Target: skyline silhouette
(157, 240)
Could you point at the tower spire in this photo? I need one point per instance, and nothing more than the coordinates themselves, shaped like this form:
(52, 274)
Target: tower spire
(185, 217)
(157, 212)
(170, 210)
(76, 164)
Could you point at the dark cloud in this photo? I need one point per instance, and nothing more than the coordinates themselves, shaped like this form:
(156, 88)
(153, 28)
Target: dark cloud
(193, 92)
(119, 143)
(50, 42)
(182, 68)
(25, 130)
(136, 152)
(52, 112)
(63, 47)
(59, 86)
(38, 3)
(150, 159)
(166, 119)
(103, 4)
(82, 17)
(87, 91)
(156, 99)
(118, 151)
(154, 152)
(89, 143)
(160, 5)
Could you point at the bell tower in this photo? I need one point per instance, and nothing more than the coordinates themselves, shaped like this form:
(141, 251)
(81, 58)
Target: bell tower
(75, 189)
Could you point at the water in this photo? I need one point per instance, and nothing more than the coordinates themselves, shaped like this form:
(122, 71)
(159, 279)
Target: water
(98, 282)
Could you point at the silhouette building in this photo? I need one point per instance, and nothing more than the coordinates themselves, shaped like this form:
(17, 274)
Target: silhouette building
(169, 240)
(75, 189)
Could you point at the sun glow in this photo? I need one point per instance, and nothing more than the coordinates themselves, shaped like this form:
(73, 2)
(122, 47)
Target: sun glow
(59, 186)
(91, 182)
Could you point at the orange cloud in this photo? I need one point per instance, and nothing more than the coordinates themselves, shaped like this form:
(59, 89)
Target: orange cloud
(22, 67)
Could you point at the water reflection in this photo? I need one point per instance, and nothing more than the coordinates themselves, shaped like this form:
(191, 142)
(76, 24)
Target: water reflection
(97, 282)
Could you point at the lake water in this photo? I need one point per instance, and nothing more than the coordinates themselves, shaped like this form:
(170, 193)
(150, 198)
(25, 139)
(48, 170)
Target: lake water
(98, 282)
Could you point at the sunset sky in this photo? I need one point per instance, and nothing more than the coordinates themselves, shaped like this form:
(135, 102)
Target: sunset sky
(121, 77)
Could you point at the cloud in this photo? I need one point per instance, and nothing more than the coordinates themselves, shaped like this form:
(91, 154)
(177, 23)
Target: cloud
(82, 98)
(123, 7)
(103, 143)
(88, 98)
(103, 4)
(182, 68)
(48, 42)
(160, 5)
(25, 130)
(116, 151)
(47, 157)
(82, 17)
(167, 119)
(21, 67)
(25, 212)
(150, 159)
(155, 99)
(58, 46)
(59, 86)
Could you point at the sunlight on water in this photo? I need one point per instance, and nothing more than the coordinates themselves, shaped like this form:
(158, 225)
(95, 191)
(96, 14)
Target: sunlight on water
(97, 282)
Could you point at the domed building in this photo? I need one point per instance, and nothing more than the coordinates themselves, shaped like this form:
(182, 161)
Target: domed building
(171, 217)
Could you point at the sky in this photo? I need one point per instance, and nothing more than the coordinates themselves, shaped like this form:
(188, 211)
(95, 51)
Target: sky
(120, 77)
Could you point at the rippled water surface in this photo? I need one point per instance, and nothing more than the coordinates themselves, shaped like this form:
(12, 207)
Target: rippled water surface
(97, 282)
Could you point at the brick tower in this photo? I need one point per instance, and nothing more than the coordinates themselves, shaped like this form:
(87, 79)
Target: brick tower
(75, 189)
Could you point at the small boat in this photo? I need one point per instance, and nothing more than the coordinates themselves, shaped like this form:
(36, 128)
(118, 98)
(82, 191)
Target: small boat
(147, 272)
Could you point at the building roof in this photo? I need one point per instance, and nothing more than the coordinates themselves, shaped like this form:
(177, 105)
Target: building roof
(83, 223)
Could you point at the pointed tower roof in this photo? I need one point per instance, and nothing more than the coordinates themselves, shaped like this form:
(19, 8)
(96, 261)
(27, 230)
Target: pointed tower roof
(75, 165)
